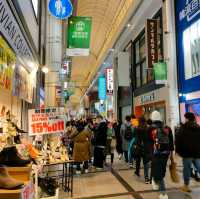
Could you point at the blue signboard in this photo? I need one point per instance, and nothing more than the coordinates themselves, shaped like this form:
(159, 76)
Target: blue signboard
(187, 22)
(102, 88)
(60, 9)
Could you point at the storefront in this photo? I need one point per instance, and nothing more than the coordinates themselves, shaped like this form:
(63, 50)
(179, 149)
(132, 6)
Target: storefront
(155, 100)
(18, 67)
(188, 40)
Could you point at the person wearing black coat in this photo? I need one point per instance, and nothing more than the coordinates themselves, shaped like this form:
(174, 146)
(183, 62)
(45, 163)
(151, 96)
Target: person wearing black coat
(188, 147)
(99, 142)
(143, 145)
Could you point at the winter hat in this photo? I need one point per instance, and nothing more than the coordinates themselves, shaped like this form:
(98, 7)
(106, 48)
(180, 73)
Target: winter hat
(155, 116)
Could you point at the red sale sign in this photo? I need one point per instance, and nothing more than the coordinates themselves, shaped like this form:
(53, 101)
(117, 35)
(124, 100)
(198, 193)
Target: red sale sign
(46, 121)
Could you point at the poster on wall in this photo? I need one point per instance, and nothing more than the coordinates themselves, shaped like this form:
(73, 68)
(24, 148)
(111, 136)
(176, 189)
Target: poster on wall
(46, 121)
(160, 72)
(22, 84)
(109, 81)
(78, 37)
(7, 64)
(152, 41)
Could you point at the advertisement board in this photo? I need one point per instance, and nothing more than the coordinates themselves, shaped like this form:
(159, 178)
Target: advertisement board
(46, 121)
(102, 88)
(7, 64)
(78, 36)
(109, 81)
(160, 72)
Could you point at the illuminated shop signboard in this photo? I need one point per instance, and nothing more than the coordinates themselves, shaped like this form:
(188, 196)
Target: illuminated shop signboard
(109, 79)
(102, 88)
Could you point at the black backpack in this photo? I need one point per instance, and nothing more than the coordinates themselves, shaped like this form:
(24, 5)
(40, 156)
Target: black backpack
(128, 135)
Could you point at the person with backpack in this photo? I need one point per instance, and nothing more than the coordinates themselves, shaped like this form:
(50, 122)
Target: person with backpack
(162, 150)
(127, 133)
(188, 147)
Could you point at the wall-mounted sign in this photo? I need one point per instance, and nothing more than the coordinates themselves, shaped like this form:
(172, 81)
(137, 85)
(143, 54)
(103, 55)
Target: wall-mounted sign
(160, 72)
(7, 63)
(10, 29)
(147, 98)
(109, 81)
(190, 10)
(152, 41)
(78, 37)
(102, 88)
(60, 9)
(46, 121)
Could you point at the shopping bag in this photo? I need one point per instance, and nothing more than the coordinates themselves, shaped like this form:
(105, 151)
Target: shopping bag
(173, 172)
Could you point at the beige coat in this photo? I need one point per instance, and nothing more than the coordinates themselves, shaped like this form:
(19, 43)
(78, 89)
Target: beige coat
(81, 151)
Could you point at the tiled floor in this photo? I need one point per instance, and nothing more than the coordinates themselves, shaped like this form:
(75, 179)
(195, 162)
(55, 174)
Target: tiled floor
(120, 183)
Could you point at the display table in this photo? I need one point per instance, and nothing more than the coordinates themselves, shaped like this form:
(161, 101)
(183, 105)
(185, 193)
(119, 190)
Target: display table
(26, 192)
(67, 177)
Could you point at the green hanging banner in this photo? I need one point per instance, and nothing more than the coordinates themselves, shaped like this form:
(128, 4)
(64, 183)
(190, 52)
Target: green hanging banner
(160, 72)
(78, 37)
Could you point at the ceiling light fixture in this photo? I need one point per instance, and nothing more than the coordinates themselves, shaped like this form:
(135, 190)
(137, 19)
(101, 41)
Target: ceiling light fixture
(45, 69)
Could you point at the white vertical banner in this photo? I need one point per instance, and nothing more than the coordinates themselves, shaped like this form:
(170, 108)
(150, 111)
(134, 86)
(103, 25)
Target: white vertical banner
(123, 69)
(109, 81)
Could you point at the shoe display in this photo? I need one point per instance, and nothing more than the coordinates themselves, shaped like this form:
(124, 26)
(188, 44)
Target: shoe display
(6, 181)
(9, 156)
(186, 188)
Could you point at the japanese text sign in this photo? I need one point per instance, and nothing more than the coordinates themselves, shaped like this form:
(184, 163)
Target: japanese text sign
(109, 80)
(152, 41)
(46, 121)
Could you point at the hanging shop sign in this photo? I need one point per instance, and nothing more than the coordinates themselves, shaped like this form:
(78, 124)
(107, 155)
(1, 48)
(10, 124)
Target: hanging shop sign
(11, 31)
(46, 121)
(109, 81)
(78, 37)
(7, 63)
(102, 88)
(60, 9)
(152, 41)
(190, 9)
(160, 72)
(147, 98)
(22, 83)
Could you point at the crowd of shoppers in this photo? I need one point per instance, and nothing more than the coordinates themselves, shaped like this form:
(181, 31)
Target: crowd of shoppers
(145, 140)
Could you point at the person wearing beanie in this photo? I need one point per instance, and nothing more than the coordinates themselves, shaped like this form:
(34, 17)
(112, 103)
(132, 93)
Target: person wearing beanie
(162, 148)
(188, 147)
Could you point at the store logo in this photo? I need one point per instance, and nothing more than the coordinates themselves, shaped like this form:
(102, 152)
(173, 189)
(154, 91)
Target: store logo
(191, 10)
(80, 26)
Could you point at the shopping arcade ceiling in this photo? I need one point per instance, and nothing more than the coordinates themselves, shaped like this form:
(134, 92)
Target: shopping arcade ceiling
(108, 19)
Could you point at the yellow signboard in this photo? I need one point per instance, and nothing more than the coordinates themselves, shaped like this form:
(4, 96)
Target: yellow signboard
(7, 63)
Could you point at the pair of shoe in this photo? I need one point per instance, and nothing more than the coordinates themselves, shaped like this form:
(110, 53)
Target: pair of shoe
(163, 196)
(186, 189)
(147, 181)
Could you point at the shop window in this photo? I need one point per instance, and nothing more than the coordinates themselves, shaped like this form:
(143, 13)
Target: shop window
(138, 77)
(191, 45)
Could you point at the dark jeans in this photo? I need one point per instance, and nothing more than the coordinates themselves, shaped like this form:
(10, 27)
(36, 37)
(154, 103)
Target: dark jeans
(99, 157)
(126, 156)
(159, 165)
(146, 164)
(187, 163)
(78, 165)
